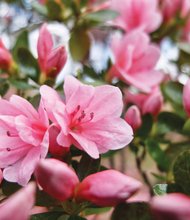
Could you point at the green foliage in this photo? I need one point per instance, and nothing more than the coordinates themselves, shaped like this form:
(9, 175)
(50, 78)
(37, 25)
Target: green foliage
(145, 129)
(181, 171)
(160, 189)
(132, 211)
(79, 44)
(47, 216)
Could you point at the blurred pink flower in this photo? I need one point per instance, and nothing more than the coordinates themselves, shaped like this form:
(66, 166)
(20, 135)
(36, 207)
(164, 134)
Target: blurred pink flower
(148, 103)
(89, 118)
(133, 117)
(24, 138)
(51, 60)
(56, 178)
(186, 95)
(107, 188)
(171, 8)
(19, 205)
(1, 176)
(174, 206)
(135, 61)
(135, 14)
(5, 57)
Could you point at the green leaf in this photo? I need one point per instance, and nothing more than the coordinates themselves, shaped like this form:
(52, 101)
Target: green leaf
(9, 188)
(41, 9)
(186, 127)
(76, 218)
(22, 42)
(160, 189)
(158, 154)
(79, 44)
(4, 86)
(54, 10)
(47, 216)
(173, 91)
(145, 129)
(102, 16)
(43, 199)
(87, 166)
(28, 63)
(132, 211)
(92, 211)
(20, 84)
(168, 121)
(181, 171)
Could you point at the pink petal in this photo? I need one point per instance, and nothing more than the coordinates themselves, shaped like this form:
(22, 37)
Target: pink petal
(19, 205)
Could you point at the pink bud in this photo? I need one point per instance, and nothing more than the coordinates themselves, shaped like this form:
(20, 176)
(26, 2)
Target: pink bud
(174, 206)
(1, 176)
(56, 178)
(153, 104)
(5, 57)
(186, 99)
(133, 117)
(107, 188)
(50, 60)
(19, 205)
(54, 148)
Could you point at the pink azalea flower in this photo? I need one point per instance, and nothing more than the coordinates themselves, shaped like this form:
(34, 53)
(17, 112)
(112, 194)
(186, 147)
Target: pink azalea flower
(174, 206)
(133, 117)
(135, 61)
(148, 103)
(24, 138)
(56, 178)
(19, 205)
(5, 57)
(1, 176)
(186, 94)
(135, 14)
(107, 188)
(89, 118)
(51, 60)
(170, 8)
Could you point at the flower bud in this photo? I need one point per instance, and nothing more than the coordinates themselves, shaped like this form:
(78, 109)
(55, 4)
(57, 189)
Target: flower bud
(174, 206)
(51, 60)
(19, 205)
(106, 188)
(186, 100)
(56, 178)
(133, 117)
(5, 57)
(153, 104)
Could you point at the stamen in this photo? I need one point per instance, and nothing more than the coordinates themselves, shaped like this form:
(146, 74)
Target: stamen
(82, 116)
(8, 133)
(8, 149)
(91, 115)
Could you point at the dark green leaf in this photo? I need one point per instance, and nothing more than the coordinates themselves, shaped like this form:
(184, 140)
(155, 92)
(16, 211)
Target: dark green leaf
(47, 216)
(160, 189)
(20, 84)
(168, 121)
(9, 188)
(87, 166)
(158, 154)
(43, 199)
(181, 171)
(186, 127)
(79, 45)
(22, 42)
(92, 211)
(56, 13)
(76, 218)
(145, 129)
(28, 63)
(172, 91)
(132, 211)
(4, 86)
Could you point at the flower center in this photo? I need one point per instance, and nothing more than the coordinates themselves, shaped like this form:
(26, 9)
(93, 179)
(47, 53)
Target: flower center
(80, 117)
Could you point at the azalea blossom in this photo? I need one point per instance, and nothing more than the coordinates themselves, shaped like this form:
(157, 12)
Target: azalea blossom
(133, 117)
(172, 8)
(174, 206)
(24, 138)
(51, 60)
(135, 58)
(6, 59)
(89, 118)
(107, 188)
(56, 178)
(19, 205)
(148, 103)
(135, 14)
